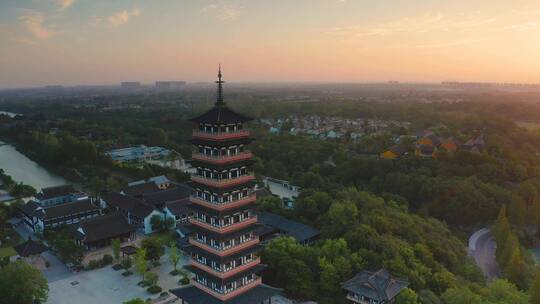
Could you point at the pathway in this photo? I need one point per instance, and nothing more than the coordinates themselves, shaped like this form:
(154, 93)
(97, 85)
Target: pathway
(482, 248)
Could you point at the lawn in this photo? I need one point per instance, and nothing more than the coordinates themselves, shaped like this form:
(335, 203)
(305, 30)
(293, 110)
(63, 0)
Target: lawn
(7, 251)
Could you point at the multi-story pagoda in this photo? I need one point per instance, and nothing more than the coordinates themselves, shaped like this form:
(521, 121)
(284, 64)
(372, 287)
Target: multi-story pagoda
(224, 246)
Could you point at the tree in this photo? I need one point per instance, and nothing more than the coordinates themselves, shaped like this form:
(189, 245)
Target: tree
(462, 295)
(174, 256)
(407, 296)
(161, 224)
(20, 283)
(152, 278)
(515, 268)
(67, 250)
(115, 244)
(443, 280)
(535, 287)
(154, 249)
(158, 137)
(517, 211)
(140, 262)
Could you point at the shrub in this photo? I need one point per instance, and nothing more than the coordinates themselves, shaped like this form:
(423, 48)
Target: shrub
(117, 267)
(154, 289)
(155, 263)
(93, 264)
(47, 264)
(174, 272)
(107, 259)
(184, 281)
(127, 273)
(164, 294)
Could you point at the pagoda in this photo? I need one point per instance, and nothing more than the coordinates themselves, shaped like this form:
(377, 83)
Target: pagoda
(223, 245)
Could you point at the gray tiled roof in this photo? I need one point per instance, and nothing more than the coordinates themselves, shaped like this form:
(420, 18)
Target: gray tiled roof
(380, 285)
(299, 231)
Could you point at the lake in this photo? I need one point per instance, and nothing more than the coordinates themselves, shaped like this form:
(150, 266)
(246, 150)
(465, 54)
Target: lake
(23, 169)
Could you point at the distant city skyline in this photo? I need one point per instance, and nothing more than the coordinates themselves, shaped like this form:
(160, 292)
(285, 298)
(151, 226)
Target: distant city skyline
(81, 42)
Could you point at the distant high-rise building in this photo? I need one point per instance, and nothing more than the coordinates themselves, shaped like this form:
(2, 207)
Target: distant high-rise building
(130, 84)
(224, 247)
(170, 85)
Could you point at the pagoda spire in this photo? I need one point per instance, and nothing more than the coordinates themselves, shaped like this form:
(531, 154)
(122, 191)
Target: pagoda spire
(220, 82)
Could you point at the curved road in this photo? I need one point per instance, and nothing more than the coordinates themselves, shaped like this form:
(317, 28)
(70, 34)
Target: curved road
(482, 248)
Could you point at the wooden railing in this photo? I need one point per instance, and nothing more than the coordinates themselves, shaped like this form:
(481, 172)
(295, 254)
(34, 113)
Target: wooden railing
(224, 206)
(228, 273)
(222, 183)
(222, 159)
(226, 229)
(224, 252)
(220, 135)
(229, 295)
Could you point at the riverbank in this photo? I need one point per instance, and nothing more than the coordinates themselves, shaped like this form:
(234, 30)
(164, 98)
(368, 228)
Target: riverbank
(23, 169)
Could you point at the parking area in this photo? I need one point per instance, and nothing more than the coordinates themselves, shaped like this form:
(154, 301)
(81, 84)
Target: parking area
(105, 285)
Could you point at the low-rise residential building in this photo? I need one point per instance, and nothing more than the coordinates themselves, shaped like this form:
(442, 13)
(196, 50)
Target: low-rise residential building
(59, 195)
(274, 225)
(137, 154)
(99, 231)
(30, 252)
(283, 189)
(393, 153)
(39, 218)
(373, 287)
(139, 203)
(162, 182)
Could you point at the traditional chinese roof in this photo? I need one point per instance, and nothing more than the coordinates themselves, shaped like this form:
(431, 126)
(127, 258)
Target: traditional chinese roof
(30, 247)
(128, 203)
(299, 231)
(192, 294)
(220, 115)
(379, 286)
(141, 189)
(179, 207)
(105, 227)
(69, 209)
(167, 196)
(57, 191)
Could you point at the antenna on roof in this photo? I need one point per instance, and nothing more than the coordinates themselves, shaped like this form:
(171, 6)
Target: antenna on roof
(220, 82)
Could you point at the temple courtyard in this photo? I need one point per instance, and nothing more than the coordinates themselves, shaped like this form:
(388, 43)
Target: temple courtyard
(106, 285)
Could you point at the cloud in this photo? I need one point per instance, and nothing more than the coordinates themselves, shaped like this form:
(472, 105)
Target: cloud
(222, 11)
(64, 4)
(33, 22)
(429, 22)
(525, 26)
(123, 17)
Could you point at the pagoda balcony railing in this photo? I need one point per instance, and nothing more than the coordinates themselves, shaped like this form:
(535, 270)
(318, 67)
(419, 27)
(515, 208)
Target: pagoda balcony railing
(225, 229)
(224, 206)
(222, 159)
(220, 135)
(224, 252)
(223, 183)
(228, 273)
(231, 294)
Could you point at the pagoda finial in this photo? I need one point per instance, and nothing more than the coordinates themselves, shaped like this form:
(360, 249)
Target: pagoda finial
(220, 82)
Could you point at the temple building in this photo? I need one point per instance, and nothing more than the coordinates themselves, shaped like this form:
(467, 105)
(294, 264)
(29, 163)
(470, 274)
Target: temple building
(373, 287)
(224, 246)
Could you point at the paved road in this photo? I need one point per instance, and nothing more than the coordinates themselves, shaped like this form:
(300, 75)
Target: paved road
(482, 248)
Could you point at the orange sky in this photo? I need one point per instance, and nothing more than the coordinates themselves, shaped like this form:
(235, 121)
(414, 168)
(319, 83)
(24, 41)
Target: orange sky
(74, 42)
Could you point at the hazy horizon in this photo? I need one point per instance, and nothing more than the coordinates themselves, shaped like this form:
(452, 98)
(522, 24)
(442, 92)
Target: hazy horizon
(78, 42)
